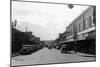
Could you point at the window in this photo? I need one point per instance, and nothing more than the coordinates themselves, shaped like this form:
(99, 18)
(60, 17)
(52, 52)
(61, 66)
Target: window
(91, 23)
(92, 20)
(86, 21)
(71, 31)
(84, 24)
(79, 27)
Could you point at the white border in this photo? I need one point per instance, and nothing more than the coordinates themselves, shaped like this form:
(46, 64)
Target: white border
(5, 34)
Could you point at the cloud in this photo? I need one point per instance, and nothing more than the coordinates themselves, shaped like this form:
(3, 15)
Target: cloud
(45, 21)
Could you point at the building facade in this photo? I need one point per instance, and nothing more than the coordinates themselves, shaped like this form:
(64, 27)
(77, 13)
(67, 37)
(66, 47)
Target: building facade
(82, 27)
(83, 31)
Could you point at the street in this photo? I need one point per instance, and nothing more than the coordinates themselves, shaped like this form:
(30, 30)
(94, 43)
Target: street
(46, 55)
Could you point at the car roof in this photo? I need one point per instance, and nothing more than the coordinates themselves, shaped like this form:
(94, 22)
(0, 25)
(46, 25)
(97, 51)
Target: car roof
(64, 45)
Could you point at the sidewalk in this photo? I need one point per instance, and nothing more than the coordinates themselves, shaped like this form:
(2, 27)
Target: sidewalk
(85, 55)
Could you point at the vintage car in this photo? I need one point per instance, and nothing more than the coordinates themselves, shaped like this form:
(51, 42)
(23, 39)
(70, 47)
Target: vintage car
(64, 49)
(28, 49)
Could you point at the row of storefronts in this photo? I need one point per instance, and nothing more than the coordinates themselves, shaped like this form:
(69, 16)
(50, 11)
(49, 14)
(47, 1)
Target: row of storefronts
(82, 30)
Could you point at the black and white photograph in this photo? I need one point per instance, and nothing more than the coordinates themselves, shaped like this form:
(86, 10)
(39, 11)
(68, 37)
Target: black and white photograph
(52, 33)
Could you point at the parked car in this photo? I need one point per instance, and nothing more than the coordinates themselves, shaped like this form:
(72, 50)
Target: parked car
(64, 49)
(28, 49)
(25, 51)
(49, 47)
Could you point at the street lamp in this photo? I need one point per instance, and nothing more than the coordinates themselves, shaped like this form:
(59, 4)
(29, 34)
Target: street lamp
(70, 6)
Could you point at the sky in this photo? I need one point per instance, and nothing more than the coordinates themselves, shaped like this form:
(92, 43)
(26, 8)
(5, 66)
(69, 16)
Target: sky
(44, 20)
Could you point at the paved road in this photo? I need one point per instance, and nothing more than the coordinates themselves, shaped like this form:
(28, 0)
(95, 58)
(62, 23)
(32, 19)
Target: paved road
(49, 56)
